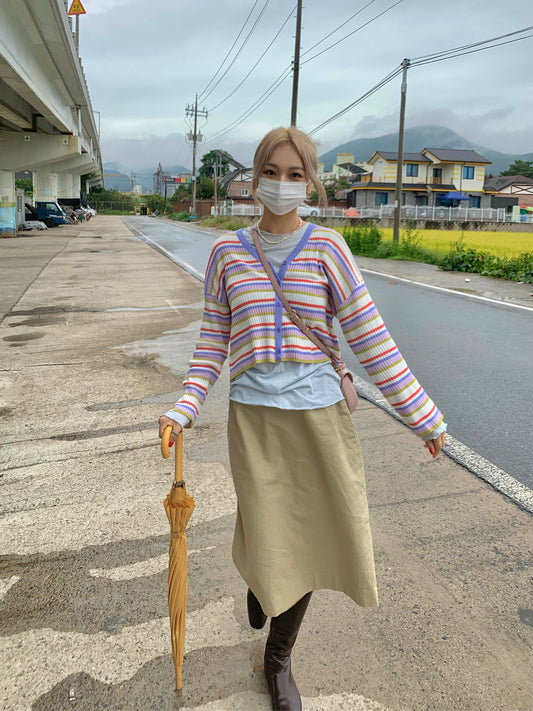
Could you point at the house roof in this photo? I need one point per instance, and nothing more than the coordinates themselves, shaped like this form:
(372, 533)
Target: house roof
(503, 181)
(407, 157)
(352, 168)
(454, 155)
(229, 177)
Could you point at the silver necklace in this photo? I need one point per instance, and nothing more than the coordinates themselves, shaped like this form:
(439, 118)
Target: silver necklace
(277, 241)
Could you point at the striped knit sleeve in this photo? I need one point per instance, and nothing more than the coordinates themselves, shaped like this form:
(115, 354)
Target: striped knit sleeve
(212, 346)
(369, 339)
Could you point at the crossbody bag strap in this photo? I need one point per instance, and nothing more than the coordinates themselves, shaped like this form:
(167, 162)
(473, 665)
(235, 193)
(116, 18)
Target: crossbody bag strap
(291, 313)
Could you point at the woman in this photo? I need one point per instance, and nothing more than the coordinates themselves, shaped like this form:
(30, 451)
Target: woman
(302, 518)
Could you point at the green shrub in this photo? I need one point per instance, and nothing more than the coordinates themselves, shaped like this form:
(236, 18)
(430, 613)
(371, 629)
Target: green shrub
(363, 240)
(180, 216)
(461, 259)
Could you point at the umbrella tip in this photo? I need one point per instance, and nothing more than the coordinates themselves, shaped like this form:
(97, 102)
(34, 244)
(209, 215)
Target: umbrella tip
(178, 678)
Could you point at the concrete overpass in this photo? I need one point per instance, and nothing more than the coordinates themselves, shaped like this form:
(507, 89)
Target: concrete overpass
(47, 124)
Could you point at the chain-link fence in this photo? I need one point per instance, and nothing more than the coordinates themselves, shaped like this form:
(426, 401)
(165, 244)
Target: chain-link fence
(125, 206)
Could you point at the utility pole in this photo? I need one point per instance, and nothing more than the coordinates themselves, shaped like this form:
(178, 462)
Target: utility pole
(296, 64)
(195, 137)
(215, 173)
(399, 169)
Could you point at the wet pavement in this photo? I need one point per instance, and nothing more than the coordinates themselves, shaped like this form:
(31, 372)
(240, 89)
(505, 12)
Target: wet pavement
(95, 339)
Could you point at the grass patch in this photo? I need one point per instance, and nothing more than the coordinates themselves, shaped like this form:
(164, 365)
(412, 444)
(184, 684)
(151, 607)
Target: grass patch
(227, 222)
(500, 244)
(447, 254)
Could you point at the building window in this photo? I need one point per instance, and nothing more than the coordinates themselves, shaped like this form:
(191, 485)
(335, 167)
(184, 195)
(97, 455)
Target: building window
(421, 200)
(475, 201)
(411, 170)
(382, 198)
(244, 192)
(468, 172)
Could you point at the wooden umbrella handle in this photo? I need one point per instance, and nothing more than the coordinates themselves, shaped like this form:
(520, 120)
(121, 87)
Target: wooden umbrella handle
(165, 451)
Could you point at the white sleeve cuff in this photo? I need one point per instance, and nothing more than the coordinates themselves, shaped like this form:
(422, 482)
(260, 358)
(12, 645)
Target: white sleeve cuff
(182, 420)
(433, 435)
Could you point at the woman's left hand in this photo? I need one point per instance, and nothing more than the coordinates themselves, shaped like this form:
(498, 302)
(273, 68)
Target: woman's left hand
(435, 445)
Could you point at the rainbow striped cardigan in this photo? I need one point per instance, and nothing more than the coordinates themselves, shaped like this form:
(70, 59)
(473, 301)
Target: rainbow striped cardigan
(321, 280)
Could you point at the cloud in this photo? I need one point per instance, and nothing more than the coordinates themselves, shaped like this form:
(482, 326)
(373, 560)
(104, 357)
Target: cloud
(98, 7)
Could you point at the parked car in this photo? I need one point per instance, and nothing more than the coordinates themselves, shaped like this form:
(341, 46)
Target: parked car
(48, 212)
(308, 210)
(30, 212)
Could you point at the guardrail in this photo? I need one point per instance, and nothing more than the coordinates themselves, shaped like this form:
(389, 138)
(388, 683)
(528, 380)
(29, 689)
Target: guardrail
(422, 212)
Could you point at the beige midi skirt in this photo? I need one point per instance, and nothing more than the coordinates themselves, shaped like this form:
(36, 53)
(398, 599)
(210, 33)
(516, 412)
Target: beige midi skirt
(302, 513)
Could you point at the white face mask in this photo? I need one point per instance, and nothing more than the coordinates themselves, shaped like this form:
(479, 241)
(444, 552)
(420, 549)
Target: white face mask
(279, 196)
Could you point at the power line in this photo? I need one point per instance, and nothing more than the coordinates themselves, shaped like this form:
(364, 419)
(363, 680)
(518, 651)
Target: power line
(428, 59)
(469, 46)
(369, 93)
(255, 65)
(338, 28)
(230, 50)
(376, 17)
(271, 89)
(472, 51)
(239, 50)
(284, 75)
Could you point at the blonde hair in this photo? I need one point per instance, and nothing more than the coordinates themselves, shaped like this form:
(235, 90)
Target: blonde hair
(302, 144)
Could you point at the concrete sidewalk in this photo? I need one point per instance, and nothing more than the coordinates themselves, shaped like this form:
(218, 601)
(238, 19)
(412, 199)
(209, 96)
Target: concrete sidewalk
(96, 335)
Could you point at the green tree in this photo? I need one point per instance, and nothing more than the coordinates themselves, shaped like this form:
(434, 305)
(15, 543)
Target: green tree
(205, 188)
(520, 167)
(26, 185)
(214, 157)
(84, 178)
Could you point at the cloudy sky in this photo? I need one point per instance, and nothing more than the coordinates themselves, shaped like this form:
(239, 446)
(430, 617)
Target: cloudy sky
(146, 60)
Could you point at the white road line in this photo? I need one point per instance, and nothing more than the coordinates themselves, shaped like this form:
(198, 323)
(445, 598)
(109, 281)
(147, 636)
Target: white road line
(448, 291)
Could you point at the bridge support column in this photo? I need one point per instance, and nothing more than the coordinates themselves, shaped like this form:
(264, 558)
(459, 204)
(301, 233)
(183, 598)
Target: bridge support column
(68, 185)
(8, 212)
(44, 186)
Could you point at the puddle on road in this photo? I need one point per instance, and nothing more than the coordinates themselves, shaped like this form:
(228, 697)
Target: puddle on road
(23, 337)
(172, 350)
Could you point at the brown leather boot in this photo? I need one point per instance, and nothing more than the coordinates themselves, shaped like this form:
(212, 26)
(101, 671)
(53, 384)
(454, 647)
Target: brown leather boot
(256, 616)
(284, 693)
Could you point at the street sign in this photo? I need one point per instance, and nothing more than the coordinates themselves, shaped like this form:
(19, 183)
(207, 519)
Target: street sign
(76, 8)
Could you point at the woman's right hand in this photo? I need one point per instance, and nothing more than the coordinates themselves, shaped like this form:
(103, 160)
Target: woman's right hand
(164, 422)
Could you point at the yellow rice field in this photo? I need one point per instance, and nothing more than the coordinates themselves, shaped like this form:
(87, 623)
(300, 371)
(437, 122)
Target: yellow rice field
(500, 244)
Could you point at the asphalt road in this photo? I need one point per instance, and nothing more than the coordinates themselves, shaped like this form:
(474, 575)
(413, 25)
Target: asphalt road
(473, 357)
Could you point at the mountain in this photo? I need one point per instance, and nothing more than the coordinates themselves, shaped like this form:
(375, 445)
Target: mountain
(417, 138)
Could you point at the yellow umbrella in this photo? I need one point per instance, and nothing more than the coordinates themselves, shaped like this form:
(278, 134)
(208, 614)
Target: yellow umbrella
(179, 507)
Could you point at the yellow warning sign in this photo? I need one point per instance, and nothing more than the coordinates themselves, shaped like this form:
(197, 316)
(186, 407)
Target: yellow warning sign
(77, 8)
